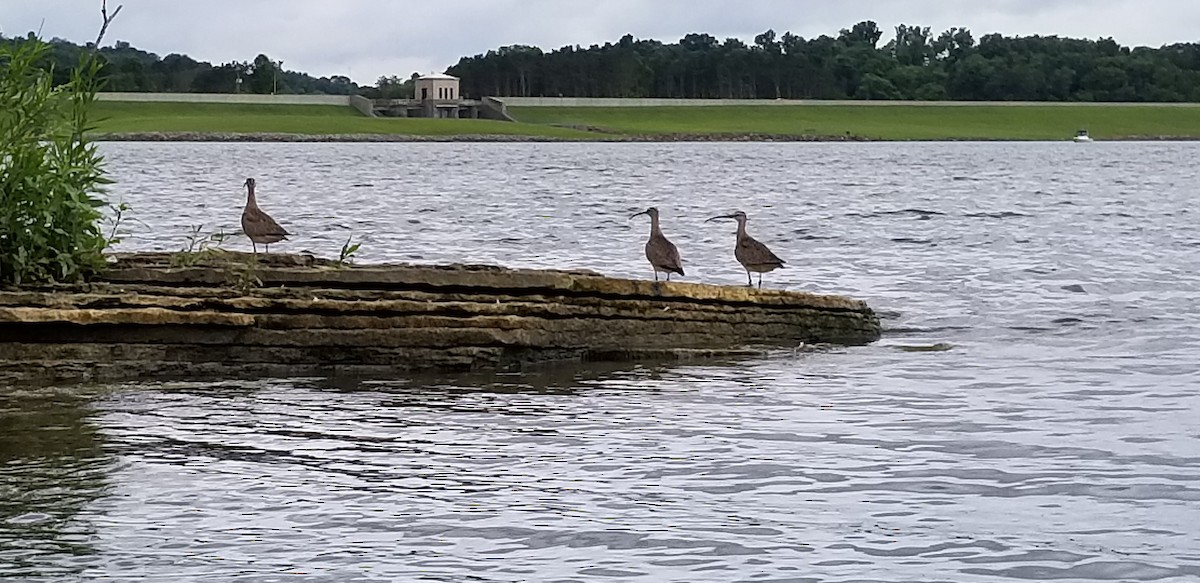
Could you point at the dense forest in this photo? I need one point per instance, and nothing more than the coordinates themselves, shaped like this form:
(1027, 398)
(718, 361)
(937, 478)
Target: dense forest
(914, 65)
(129, 69)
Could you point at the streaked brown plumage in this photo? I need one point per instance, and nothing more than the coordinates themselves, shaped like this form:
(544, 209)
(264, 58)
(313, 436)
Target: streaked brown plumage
(258, 225)
(661, 253)
(753, 255)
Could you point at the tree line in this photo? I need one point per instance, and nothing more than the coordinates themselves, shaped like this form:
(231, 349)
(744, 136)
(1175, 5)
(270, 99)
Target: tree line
(916, 65)
(126, 68)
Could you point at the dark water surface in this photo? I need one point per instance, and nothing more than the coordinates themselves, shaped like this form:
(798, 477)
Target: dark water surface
(1054, 433)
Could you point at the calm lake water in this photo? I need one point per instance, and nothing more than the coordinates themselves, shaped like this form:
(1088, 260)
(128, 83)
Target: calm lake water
(1057, 438)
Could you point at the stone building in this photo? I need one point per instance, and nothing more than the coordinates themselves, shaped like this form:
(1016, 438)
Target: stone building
(437, 86)
(437, 95)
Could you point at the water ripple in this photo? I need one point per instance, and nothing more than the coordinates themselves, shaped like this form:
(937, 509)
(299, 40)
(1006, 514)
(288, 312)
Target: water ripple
(1031, 412)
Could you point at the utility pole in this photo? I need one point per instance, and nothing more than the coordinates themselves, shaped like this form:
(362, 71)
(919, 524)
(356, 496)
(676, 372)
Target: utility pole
(275, 78)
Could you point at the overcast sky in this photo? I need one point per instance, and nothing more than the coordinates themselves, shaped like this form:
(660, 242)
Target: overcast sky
(365, 40)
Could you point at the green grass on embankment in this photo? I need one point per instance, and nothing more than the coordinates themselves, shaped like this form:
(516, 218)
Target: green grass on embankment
(131, 116)
(880, 122)
(883, 122)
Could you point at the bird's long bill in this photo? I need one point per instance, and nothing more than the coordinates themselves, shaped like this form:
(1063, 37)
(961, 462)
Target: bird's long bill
(721, 217)
(636, 214)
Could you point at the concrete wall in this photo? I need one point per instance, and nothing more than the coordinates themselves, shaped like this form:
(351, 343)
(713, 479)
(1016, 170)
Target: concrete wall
(492, 108)
(654, 102)
(363, 105)
(228, 98)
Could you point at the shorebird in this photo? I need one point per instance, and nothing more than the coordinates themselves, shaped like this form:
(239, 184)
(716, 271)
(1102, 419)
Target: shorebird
(753, 255)
(258, 225)
(662, 253)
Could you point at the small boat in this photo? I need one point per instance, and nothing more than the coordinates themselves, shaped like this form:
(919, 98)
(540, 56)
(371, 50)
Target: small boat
(1082, 136)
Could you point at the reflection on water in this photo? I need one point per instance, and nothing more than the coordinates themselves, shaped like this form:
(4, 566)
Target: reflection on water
(1031, 412)
(51, 468)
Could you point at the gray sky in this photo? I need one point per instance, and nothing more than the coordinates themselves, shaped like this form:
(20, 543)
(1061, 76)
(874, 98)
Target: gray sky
(397, 37)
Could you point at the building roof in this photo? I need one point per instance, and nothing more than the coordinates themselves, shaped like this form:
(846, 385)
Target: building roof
(438, 77)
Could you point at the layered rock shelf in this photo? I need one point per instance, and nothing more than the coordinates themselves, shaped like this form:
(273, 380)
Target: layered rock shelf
(158, 315)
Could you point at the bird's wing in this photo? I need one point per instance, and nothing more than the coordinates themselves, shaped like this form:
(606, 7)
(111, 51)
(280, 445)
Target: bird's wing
(758, 254)
(675, 261)
(261, 223)
(665, 254)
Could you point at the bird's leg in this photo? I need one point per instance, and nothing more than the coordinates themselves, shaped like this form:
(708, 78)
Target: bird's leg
(760, 281)
(254, 246)
(668, 276)
(749, 279)
(655, 275)
(267, 248)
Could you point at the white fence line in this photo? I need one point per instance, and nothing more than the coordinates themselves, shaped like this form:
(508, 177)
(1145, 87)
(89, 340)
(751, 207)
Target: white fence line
(246, 98)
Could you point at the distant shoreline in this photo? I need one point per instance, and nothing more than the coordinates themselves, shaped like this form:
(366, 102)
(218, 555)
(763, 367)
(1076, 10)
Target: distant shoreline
(599, 137)
(274, 137)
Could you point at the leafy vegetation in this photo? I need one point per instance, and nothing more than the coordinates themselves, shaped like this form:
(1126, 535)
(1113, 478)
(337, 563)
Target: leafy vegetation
(50, 174)
(205, 249)
(200, 247)
(127, 68)
(348, 250)
(914, 65)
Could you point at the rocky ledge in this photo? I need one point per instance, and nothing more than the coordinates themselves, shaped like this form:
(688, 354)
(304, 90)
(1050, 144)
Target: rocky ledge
(159, 315)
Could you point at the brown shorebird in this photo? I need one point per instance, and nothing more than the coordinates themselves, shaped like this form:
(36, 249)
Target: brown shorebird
(662, 253)
(753, 255)
(258, 225)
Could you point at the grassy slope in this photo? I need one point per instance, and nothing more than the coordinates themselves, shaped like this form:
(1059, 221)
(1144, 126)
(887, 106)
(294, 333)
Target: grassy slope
(879, 122)
(882, 122)
(112, 116)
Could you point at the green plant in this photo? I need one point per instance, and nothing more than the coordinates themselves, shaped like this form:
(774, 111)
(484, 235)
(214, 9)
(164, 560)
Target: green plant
(348, 251)
(117, 220)
(200, 246)
(114, 235)
(51, 176)
(243, 276)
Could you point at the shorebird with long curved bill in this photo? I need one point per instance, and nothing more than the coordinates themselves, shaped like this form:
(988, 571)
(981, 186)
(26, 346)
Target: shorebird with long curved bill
(257, 224)
(753, 255)
(662, 254)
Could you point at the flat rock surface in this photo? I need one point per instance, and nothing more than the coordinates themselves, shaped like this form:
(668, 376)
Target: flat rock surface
(234, 314)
